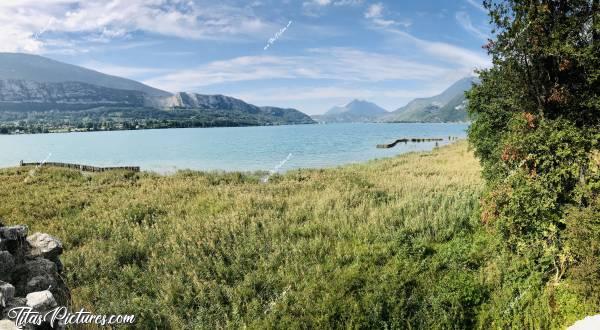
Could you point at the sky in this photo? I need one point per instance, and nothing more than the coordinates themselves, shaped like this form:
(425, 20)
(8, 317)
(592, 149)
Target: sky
(305, 54)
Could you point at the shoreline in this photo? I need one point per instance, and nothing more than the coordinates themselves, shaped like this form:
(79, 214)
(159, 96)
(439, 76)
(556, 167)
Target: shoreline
(69, 131)
(243, 172)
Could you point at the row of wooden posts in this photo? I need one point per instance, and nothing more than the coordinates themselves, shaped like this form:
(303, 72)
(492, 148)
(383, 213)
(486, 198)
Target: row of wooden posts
(414, 140)
(85, 168)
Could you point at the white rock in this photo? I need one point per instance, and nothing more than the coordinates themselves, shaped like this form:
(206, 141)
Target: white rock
(8, 325)
(42, 300)
(588, 323)
(7, 292)
(44, 245)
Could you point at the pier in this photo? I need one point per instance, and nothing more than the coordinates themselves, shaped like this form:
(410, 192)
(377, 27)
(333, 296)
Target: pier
(414, 140)
(84, 168)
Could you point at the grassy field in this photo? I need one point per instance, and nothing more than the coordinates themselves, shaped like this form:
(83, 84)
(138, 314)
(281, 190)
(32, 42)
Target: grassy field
(390, 243)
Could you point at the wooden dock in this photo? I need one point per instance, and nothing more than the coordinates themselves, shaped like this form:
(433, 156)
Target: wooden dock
(84, 168)
(414, 140)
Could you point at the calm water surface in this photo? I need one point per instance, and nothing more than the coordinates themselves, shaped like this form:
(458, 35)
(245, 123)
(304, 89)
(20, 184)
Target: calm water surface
(230, 149)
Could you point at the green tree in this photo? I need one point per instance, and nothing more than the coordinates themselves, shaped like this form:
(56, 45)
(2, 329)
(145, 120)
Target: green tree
(536, 120)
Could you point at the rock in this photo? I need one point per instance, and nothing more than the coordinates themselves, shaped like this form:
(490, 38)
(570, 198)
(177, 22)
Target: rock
(7, 265)
(10, 304)
(7, 292)
(13, 303)
(40, 282)
(588, 323)
(13, 233)
(44, 245)
(8, 325)
(41, 301)
(32, 265)
(12, 239)
(35, 275)
(59, 265)
(38, 275)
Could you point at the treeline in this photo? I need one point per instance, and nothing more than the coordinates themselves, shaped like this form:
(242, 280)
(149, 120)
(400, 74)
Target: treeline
(106, 119)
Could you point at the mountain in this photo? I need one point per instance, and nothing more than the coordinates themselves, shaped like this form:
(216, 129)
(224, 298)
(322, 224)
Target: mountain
(355, 111)
(274, 115)
(17, 66)
(287, 115)
(40, 94)
(209, 102)
(27, 95)
(455, 110)
(449, 106)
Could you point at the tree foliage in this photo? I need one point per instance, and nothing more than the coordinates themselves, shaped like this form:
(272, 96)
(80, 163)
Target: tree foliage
(536, 123)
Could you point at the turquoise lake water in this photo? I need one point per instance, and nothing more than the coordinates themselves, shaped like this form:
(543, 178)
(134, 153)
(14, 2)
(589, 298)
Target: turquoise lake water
(229, 149)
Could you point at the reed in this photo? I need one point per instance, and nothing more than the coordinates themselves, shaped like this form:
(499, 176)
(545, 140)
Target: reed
(389, 243)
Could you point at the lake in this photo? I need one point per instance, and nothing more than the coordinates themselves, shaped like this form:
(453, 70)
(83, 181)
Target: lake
(229, 149)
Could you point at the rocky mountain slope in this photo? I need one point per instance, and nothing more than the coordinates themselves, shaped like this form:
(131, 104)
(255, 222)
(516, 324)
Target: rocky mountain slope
(46, 93)
(18, 66)
(26, 95)
(190, 101)
(449, 106)
(355, 111)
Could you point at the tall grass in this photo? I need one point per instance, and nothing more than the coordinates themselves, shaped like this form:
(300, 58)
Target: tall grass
(392, 243)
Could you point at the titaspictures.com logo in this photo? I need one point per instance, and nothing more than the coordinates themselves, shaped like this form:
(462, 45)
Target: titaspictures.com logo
(61, 317)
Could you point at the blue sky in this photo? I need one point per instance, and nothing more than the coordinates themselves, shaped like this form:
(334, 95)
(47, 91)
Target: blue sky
(333, 51)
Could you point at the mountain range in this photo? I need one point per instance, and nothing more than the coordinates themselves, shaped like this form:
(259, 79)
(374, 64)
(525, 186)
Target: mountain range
(449, 106)
(38, 94)
(45, 94)
(25, 67)
(355, 111)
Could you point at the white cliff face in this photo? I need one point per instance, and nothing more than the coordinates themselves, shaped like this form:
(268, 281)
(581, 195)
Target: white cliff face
(199, 101)
(225, 103)
(27, 92)
(25, 95)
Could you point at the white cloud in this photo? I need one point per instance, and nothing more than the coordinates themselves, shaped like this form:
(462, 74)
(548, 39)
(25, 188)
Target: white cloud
(463, 59)
(465, 21)
(339, 64)
(477, 4)
(26, 24)
(375, 14)
(331, 2)
(348, 2)
(315, 7)
(374, 11)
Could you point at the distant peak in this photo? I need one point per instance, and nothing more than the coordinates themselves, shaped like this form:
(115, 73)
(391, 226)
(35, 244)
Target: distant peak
(357, 101)
(358, 108)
